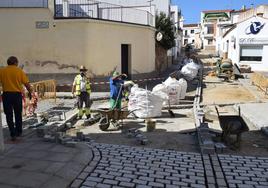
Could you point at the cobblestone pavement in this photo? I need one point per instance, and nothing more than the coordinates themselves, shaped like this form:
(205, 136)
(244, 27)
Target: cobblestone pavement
(245, 171)
(124, 166)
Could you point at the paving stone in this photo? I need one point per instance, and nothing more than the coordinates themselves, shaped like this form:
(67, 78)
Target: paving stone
(123, 179)
(164, 181)
(83, 175)
(126, 184)
(155, 184)
(179, 183)
(211, 180)
(211, 186)
(107, 176)
(90, 183)
(146, 178)
(111, 182)
(244, 186)
(198, 186)
(221, 182)
(94, 179)
(101, 185)
(138, 181)
(133, 176)
(76, 183)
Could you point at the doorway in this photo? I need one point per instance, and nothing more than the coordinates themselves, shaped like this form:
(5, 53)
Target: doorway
(126, 59)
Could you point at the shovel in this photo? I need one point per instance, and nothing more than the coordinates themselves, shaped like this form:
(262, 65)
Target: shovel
(171, 113)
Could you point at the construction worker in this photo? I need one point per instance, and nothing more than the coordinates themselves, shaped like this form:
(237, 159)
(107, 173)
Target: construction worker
(116, 88)
(12, 79)
(81, 89)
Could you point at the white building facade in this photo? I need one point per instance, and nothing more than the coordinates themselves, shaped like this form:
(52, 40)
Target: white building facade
(211, 22)
(246, 43)
(190, 34)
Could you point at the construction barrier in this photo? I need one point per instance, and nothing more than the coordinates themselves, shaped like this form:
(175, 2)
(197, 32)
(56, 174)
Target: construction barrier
(45, 89)
(40, 90)
(260, 81)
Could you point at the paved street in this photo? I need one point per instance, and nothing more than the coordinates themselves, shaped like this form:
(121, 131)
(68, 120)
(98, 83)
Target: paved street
(35, 163)
(124, 166)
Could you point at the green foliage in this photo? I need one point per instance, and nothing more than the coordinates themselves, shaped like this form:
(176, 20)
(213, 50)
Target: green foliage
(164, 25)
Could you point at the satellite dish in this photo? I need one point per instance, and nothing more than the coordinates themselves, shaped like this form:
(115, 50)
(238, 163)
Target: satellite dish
(159, 36)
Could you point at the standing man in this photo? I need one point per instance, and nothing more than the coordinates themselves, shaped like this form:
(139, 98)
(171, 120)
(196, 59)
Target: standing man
(81, 89)
(116, 87)
(13, 79)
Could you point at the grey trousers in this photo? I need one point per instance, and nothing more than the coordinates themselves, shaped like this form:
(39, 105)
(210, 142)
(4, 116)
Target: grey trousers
(83, 98)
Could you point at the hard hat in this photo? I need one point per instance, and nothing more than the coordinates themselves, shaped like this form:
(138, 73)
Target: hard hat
(115, 74)
(83, 68)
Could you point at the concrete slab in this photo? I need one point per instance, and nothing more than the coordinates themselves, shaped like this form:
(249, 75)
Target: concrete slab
(254, 114)
(29, 179)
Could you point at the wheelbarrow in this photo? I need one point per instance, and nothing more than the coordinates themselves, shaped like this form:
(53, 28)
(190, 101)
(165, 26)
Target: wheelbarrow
(111, 116)
(232, 125)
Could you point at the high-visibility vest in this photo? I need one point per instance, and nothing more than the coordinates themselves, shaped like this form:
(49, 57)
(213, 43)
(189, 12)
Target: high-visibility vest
(78, 79)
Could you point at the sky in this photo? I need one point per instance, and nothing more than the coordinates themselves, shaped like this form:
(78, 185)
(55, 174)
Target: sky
(191, 9)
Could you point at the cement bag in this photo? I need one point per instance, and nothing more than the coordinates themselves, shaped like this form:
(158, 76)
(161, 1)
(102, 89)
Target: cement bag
(190, 70)
(183, 84)
(160, 87)
(173, 90)
(161, 91)
(144, 103)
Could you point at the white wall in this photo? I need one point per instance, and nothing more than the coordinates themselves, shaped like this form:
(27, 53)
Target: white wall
(238, 34)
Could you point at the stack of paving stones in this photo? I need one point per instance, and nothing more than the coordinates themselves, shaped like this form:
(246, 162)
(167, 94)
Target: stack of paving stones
(124, 166)
(137, 134)
(61, 138)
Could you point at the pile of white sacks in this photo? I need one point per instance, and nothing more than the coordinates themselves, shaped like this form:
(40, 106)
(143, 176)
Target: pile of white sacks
(147, 104)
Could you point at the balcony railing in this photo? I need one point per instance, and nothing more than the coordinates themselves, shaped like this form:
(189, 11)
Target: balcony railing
(23, 3)
(79, 9)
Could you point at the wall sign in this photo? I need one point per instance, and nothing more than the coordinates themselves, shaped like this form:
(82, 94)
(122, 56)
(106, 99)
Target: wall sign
(253, 41)
(42, 25)
(254, 28)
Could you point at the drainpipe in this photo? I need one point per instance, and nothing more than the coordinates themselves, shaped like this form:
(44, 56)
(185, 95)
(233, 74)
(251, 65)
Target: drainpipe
(2, 146)
(65, 7)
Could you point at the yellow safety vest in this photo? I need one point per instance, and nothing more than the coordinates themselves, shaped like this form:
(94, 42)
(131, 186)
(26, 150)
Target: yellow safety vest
(78, 79)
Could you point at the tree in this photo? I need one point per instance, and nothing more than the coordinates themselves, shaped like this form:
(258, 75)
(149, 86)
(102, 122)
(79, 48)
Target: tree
(164, 25)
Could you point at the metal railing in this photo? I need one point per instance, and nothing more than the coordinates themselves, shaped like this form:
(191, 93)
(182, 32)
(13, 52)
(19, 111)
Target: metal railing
(77, 9)
(23, 3)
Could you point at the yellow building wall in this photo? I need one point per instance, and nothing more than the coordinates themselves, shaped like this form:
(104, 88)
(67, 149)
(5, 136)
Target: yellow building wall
(67, 44)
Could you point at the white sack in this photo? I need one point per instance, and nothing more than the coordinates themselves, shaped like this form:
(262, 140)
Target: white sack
(144, 103)
(190, 70)
(183, 84)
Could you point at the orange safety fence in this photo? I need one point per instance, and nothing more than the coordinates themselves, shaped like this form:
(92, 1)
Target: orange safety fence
(260, 81)
(45, 89)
